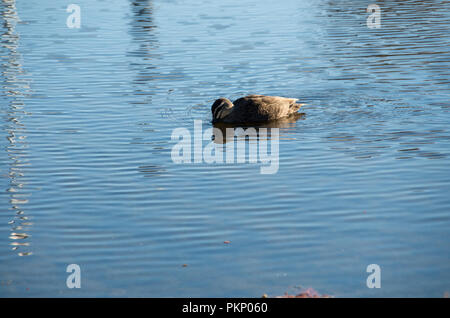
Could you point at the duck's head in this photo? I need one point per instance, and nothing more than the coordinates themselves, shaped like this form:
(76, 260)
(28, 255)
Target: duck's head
(220, 109)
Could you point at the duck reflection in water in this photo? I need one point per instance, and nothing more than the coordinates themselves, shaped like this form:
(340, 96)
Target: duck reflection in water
(221, 135)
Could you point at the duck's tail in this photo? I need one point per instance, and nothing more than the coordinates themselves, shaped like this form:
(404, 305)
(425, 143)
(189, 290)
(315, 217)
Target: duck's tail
(295, 107)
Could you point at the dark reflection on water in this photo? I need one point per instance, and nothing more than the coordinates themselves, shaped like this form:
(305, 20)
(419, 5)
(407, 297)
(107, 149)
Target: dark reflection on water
(142, 32)
(283, 124)
(143, 64)
(87, 117)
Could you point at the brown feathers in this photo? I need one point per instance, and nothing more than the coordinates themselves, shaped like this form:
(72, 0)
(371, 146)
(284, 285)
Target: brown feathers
(256, 108)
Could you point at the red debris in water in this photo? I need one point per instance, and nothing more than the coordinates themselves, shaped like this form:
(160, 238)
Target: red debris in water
(307, 293)
(227, 242)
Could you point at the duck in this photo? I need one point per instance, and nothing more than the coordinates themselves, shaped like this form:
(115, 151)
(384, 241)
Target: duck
(253, 109)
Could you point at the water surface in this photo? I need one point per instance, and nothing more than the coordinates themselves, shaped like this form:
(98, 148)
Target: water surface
(86, 174)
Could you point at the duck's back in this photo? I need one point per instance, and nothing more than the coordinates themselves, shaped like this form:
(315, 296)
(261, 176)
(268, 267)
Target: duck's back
(254, 108)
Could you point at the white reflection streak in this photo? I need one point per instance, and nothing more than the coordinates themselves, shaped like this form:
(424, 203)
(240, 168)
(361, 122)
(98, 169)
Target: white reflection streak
(14, 89)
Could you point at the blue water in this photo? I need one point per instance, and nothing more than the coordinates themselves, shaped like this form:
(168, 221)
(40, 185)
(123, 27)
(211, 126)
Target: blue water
(86, 174)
